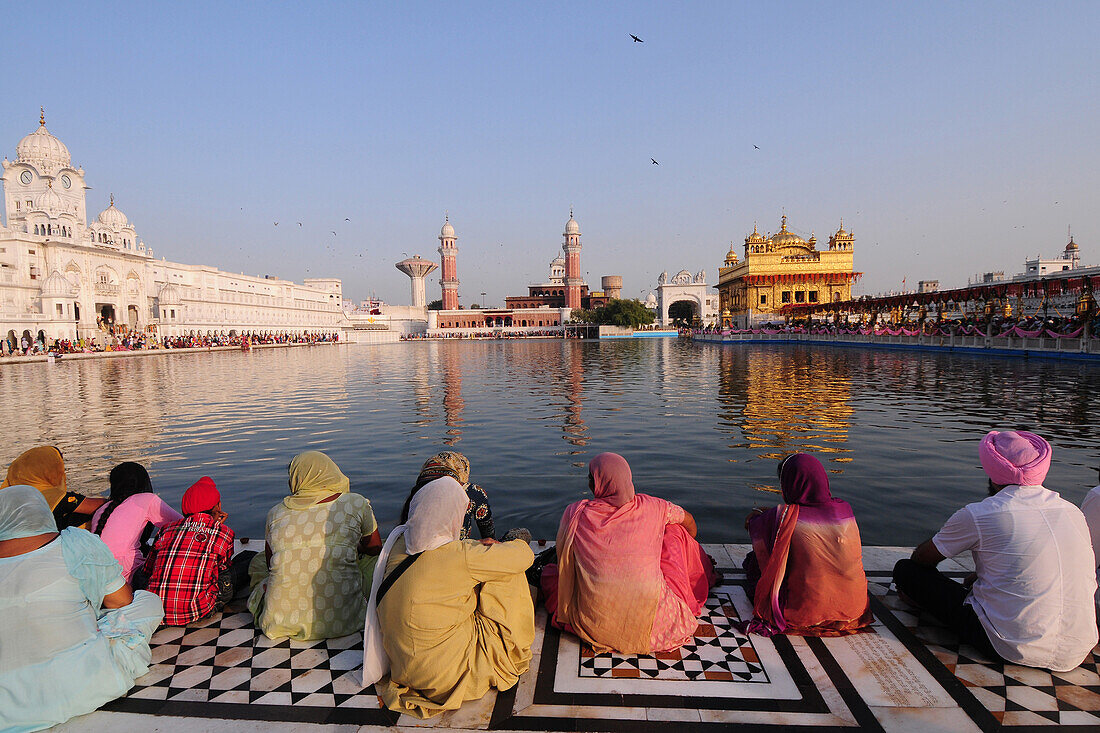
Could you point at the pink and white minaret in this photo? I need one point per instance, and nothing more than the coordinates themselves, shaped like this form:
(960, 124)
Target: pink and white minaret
(448, 252)
(572, 247)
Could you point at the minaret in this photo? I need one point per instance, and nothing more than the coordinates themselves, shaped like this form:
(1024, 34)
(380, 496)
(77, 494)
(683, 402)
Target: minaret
(417, 268)
(572, 249)
(447, 253)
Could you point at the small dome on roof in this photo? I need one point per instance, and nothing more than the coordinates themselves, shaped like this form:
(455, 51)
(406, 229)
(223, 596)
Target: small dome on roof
(112, 217)
(756, 237)
(56, 286)
(49, 201)
(1072, 246)
(168, 294)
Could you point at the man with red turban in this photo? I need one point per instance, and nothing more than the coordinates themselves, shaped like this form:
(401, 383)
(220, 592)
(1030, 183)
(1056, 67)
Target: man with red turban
(1030, 600)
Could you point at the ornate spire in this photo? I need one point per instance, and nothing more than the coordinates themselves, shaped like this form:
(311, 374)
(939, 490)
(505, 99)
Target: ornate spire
(784, 223)
(446, 216)
(112, 199)
(42, 116)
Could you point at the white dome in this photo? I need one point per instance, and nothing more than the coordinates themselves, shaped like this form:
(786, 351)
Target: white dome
(49, 202)
(571, 226)
(42, 147)
(169, 294)
(112, 217)
(448, 231)
(56, 286)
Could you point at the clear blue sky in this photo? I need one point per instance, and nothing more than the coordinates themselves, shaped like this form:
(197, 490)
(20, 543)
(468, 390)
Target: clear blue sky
(951, 137)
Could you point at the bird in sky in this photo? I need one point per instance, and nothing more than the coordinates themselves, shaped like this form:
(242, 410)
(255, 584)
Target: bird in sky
(346, 219)
(299, 223)
(757, 147)
(276, 223)
(654, 161)
(636, 39)
(334, 234)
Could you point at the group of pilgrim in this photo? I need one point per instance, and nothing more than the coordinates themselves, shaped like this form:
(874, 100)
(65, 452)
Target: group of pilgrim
(85, 582)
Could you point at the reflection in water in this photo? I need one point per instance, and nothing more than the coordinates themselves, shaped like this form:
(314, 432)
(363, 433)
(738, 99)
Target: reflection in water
(700, 424)
(782, 403)
(573, 374)
(451, 364)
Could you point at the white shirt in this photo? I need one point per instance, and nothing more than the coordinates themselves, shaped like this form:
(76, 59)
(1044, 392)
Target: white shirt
(1090, 507)
(1036, 575)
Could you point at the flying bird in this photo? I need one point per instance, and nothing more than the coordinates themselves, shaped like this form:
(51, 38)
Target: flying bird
(334, 234)
(654, 161)
(299, 223)
(756, 147)
(276, 223)
(636, 39)
(346, 219)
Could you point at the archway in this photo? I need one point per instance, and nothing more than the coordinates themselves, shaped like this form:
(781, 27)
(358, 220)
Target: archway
(683, 312)
(132, 316)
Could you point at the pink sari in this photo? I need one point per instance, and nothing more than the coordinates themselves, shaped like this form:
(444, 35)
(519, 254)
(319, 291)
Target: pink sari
(812, 581)
(629, 577)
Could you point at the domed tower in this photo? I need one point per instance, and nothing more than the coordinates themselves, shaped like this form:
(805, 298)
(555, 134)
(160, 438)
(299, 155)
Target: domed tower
(572, 248)
(842, 240)
(448, 252)
(755, 242)
(1072, 253)
(42, 161)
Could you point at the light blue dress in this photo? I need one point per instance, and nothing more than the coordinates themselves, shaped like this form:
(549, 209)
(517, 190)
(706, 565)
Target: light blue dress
(61, 654)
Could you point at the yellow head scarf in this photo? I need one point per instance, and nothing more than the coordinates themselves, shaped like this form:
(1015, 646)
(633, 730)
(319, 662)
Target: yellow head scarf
(313, 476)
(44, 469)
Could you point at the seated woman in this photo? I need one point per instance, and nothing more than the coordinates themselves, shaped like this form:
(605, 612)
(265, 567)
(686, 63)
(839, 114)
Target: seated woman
(322, 545)
(455, 616)
(74, 635)
(131, 510)
(806, 561)
(630, 576)
(44, 469)
(457, 466)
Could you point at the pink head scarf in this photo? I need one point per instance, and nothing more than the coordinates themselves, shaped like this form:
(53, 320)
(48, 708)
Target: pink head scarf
(1015, 458)
(611, 479)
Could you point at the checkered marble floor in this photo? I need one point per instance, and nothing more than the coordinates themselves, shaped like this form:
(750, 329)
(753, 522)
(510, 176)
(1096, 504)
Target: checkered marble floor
(907, 674)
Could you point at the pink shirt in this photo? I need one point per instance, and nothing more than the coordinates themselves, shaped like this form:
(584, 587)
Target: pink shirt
(124, 527)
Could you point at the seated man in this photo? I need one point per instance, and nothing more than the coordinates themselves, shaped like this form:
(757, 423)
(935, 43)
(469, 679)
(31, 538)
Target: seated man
(1031, 600)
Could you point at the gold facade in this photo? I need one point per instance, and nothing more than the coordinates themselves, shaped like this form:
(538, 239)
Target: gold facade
(784, 269)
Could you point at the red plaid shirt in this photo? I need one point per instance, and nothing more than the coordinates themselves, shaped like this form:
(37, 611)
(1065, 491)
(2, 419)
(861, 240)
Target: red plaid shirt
(184, 567)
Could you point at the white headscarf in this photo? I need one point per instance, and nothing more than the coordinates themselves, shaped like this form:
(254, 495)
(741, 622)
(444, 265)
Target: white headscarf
(436, 514)
(24, 513)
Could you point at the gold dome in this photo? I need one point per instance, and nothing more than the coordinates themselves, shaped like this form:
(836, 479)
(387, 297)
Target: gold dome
(731, 256)
(786, 238)
(755, 237)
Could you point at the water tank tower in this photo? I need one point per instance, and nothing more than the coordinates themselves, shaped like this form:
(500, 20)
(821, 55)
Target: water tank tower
(612, 286)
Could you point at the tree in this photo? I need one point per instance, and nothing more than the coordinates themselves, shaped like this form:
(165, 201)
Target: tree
(580, 315)
(625, 313)
(435, 305)
(474, 306)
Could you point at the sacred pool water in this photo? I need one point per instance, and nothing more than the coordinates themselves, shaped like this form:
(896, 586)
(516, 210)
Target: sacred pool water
(701, 424)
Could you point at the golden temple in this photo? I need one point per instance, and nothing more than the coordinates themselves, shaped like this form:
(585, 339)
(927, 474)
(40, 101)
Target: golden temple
(784, 269)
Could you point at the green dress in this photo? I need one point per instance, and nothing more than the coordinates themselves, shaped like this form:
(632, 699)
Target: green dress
(317, 584)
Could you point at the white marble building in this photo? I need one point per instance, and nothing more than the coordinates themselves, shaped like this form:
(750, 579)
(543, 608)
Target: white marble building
(63, 276)
(684, 287)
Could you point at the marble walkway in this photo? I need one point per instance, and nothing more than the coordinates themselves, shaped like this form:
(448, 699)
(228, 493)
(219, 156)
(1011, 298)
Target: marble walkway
(909, 675)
